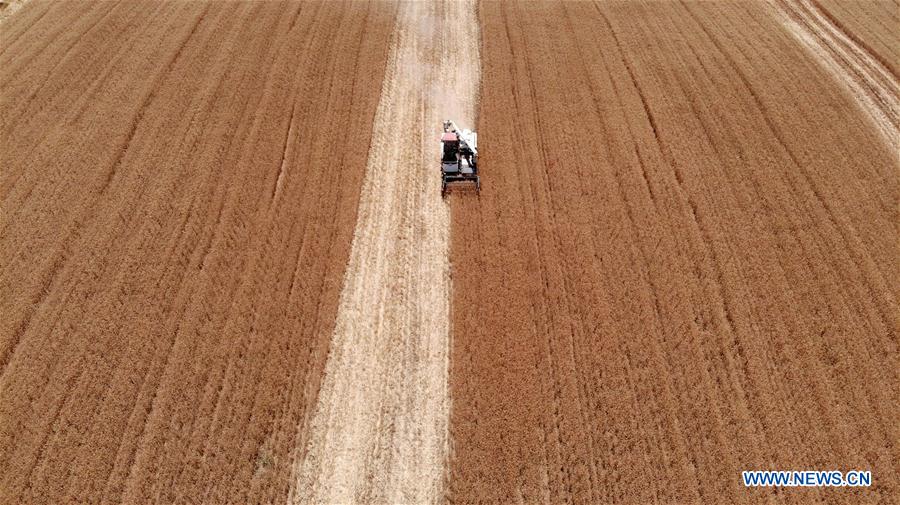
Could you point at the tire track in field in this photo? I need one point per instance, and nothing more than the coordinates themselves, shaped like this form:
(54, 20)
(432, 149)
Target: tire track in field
(185, 260)
(680, 229)
(868, 80)
(380, 431)
(871, 25)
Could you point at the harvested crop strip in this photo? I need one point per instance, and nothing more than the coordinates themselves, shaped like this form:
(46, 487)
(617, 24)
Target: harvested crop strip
(380, 430)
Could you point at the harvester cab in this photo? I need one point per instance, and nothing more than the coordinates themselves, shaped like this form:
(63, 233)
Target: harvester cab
(459, 157)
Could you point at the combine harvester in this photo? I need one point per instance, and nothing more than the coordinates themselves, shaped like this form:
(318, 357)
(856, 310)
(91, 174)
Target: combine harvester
(459, 157)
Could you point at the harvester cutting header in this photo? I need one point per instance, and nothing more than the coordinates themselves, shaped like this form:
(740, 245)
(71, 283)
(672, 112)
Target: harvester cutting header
(459, 157)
